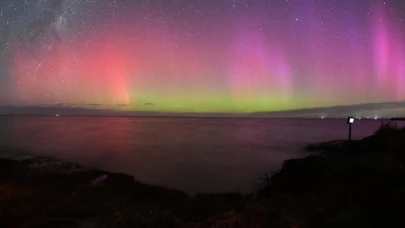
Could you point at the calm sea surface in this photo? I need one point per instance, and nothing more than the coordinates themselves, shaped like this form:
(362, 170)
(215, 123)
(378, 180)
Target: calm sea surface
(191, 154)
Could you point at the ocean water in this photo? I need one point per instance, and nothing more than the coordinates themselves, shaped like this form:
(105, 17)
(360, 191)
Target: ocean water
(190, 154)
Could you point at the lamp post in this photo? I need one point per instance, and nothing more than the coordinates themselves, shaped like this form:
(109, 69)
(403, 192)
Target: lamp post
(350, 121)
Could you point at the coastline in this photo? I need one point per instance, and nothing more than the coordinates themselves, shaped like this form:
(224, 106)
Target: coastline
(41, 191)
(340, 184)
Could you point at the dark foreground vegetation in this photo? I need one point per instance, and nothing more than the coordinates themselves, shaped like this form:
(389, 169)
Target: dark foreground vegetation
(347, 184)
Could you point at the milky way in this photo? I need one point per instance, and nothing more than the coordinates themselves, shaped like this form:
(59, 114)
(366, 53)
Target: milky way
(202, 55)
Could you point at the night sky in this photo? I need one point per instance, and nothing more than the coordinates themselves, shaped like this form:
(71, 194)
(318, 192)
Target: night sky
(232, 56)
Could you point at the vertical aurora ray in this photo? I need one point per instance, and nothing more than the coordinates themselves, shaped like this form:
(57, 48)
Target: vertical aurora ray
(259, 72)
(381, 47)
(400, 75)
(388, 51)
(205, 56)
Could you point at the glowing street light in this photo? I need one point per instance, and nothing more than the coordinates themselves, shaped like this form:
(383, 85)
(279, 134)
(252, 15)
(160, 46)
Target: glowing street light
(350, 121)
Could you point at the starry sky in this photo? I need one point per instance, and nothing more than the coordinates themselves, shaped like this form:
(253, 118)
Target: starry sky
(229, 56)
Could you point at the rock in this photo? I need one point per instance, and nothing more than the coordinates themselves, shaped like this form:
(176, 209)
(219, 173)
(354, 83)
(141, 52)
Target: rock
(119, 179)
(99, 180)
(309, 164)
(298, 175)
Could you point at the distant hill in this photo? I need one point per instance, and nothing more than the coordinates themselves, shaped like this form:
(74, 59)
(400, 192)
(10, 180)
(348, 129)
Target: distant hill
(371, 110)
